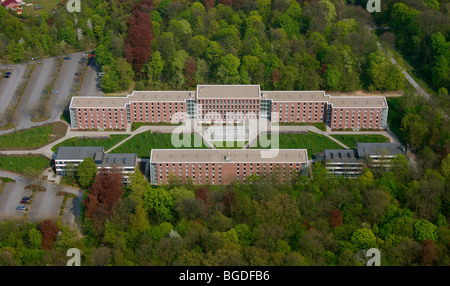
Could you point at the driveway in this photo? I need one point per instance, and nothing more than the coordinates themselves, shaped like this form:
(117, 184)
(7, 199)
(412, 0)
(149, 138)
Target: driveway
(91, 83)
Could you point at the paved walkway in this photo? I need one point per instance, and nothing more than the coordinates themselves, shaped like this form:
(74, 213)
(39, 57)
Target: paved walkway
(47, 150)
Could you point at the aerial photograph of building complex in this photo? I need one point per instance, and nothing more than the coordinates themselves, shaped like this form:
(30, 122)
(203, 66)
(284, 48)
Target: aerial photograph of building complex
(251, 133)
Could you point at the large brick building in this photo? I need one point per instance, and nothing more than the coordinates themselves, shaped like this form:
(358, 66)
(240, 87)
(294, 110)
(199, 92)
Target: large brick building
(223, 166)
(219, 103)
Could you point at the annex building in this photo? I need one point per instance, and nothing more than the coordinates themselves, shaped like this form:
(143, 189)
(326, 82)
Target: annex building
(223, 166)
(69, 157)
(352, 162)
(225, 103)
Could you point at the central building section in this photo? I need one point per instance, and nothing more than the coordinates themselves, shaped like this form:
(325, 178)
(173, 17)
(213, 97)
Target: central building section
(228, 103)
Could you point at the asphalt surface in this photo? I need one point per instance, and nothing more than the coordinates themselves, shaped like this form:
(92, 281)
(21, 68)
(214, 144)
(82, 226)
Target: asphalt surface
(64, 83)
(91, 82)
(42, 75)
(44, 205)
(9, 85)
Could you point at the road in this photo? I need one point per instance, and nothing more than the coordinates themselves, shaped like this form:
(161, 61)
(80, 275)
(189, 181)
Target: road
(408, 77)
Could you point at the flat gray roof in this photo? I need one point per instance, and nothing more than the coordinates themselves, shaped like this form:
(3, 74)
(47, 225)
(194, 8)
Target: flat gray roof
(77, 153)
(379, 149)
(295, 95)
(227, 156)
(340, 154)
(228, 91)
(119, 159)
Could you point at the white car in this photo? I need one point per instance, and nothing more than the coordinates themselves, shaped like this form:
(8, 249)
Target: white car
(55, 91)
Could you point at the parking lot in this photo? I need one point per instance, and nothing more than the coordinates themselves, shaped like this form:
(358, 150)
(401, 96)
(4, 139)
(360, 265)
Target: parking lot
(44, 204)
(47, 72)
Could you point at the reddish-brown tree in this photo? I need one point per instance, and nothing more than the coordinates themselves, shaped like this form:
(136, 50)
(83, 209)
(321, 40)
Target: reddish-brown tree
(230, 202)
(429, 254)
(105, 192)
(140, 35)
(336, 218)
(276, 75)
(49, 232)
(226, 2)
(209, 4)
(191, 68)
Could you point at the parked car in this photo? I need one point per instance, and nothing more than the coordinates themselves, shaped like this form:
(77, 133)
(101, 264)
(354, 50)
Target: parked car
(26, 198)
(7, 76)
(67, 58)
(55, 91)
(83, 54)
(100, 74)
(24, 202)
(8, 73)
(77, 73)
(21, 208)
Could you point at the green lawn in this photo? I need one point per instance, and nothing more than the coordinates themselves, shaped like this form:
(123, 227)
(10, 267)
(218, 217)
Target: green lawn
(318, 125)
(313, 142)
(351, 140)
(107, 143)
(20, 164)
(33, 138)
(143, 143)
(136, 125)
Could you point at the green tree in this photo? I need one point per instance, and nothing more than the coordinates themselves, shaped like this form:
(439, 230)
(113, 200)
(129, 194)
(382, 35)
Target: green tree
(414, 129)
(228, 71)
(159, 204)
(138, 220)
(424, 229)
(86, 172)
(363, 238)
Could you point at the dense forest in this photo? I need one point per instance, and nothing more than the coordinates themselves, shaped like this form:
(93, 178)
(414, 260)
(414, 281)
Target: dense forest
(279, 44)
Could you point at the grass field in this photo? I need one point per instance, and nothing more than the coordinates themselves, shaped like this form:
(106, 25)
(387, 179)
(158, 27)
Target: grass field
(313, 142)
(351, 140)
(20, 164)
(34, 137)
(143, 143)
(107, 143)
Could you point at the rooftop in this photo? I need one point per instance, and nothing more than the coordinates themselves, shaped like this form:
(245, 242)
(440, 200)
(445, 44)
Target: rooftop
(77, 153)
(101, 158)
(358, 101)
(340, 154)
(119, 159)
(228, 156)
(295, 95)
(377, 149)
(228, 91)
